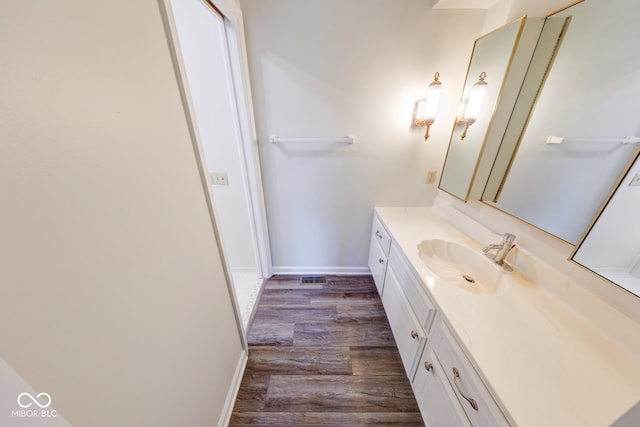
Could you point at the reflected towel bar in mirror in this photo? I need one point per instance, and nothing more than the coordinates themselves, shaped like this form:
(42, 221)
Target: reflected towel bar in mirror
(626, 140)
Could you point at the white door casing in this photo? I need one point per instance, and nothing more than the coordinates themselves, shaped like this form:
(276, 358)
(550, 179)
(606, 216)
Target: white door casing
(242, 113)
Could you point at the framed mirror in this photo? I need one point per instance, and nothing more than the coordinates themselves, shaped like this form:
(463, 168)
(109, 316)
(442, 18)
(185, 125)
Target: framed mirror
(496, 70)
(580, 136)
(611, 247)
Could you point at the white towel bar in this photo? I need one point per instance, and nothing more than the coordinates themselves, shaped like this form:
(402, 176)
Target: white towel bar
(342, 140)
(626, 140)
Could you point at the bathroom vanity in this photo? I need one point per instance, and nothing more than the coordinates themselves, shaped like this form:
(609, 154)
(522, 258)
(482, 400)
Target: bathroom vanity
(486, 347)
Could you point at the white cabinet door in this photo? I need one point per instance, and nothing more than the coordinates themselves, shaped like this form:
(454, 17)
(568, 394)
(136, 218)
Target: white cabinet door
(381, 234)
(438, 404)
(475, 399)
(377, 264)
(407, 331)
(422, 305)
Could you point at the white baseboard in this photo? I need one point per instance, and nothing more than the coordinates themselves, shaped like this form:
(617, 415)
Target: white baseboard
(230, 401)
(298, 271)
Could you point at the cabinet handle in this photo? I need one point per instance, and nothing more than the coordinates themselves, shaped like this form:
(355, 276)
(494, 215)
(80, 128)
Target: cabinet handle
(456, 377)
(378, 234)
(414, 335)
(380, 260)
(428, 366)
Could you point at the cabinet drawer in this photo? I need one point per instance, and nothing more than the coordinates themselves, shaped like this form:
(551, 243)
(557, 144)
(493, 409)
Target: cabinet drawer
(423, 307)
(438, 403)
(381, 235)
(407, 331)
(475, 399)
(377, 264)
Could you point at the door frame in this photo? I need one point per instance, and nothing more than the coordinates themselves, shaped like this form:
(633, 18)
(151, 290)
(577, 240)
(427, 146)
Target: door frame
(249, 153)
(236, 44)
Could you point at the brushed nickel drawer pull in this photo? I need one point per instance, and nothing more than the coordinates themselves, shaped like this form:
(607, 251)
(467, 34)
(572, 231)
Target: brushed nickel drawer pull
(414, 335)
(456, 377)
(428, 366)
(378, 234)
(380, 260)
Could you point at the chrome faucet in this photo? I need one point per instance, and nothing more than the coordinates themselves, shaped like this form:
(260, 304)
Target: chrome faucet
(502, 249)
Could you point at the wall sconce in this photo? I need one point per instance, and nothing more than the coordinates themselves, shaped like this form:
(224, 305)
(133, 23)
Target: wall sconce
(474, 104)
(426, 110)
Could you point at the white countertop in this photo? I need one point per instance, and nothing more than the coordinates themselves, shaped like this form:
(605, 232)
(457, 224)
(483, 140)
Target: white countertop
(546, 365)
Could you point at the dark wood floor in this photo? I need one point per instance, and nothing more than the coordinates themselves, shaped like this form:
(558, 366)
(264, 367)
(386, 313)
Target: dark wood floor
(323, 355)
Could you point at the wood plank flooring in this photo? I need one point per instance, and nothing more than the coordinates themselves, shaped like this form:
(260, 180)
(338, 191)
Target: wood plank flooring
(323, 355)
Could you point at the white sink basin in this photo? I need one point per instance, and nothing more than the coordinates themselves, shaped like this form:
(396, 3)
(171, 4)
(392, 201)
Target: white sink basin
(463, 267)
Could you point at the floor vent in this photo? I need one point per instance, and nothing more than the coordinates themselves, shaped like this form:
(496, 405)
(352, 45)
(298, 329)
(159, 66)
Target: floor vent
(313, 280)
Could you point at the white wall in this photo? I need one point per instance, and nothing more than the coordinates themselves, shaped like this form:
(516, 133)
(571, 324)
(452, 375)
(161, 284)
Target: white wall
(536, 8)
(354, 67)
(505, 11)
(497, 15)
(113, 298)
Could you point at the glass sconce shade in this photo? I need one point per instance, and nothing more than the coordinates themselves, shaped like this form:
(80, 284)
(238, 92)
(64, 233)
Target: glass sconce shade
(426, 110)
(474, 104)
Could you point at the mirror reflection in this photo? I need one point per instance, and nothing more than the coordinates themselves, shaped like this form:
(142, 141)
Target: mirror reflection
(612, 246)
(490, 59)
(588, 103)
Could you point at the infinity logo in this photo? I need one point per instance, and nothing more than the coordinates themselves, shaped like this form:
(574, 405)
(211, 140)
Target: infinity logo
(33, 400)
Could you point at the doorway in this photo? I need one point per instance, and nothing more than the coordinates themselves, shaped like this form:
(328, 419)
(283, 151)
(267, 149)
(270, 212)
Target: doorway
(210, 56)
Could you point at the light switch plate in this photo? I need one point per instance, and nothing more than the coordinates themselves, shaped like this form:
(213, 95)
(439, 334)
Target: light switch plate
(635, 181)
(219, 178)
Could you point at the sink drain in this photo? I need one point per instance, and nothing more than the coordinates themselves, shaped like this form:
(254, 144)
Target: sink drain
(468, 278)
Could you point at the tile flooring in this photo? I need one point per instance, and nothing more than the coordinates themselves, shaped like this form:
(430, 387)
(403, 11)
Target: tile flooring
(323, 355)
(247, 287)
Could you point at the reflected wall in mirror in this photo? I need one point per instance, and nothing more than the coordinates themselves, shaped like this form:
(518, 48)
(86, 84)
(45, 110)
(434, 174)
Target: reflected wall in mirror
(548, 45)
(612, 246)
(589, 99)
(498, 65)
